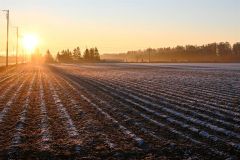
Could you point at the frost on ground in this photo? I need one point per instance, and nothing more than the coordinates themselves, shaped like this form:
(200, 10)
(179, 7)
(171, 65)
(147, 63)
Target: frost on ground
(120, 111)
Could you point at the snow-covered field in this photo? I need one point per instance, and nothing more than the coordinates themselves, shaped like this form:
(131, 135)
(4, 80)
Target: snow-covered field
(120, 111)
(193, 66)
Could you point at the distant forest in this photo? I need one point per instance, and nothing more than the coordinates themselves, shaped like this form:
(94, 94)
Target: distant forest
(214, 52)
(65, 56)
(89, 55)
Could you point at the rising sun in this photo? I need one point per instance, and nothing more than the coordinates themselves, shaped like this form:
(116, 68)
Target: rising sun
(30, 42)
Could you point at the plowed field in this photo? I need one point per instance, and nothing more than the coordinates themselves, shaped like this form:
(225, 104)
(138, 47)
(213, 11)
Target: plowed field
(118, 111)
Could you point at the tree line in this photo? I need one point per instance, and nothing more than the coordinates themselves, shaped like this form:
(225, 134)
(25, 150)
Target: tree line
(74, 56)
(89, 55)
(213, 52)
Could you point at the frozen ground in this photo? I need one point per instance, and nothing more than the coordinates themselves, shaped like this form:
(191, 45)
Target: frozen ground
(208, 66)
(120, 111)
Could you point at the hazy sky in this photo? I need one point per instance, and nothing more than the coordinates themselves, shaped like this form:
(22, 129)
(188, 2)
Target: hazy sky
(121, 25)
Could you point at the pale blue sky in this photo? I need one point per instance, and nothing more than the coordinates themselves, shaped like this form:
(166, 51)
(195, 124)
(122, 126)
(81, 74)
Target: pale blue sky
(121, 25)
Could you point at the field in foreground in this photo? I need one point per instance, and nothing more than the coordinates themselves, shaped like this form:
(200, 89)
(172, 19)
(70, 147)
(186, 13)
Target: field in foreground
(119, 111)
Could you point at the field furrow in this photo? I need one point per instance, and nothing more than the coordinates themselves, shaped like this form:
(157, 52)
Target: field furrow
(102, 111)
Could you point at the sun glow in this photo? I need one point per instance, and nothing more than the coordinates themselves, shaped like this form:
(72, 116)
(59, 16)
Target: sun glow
(30, 42)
